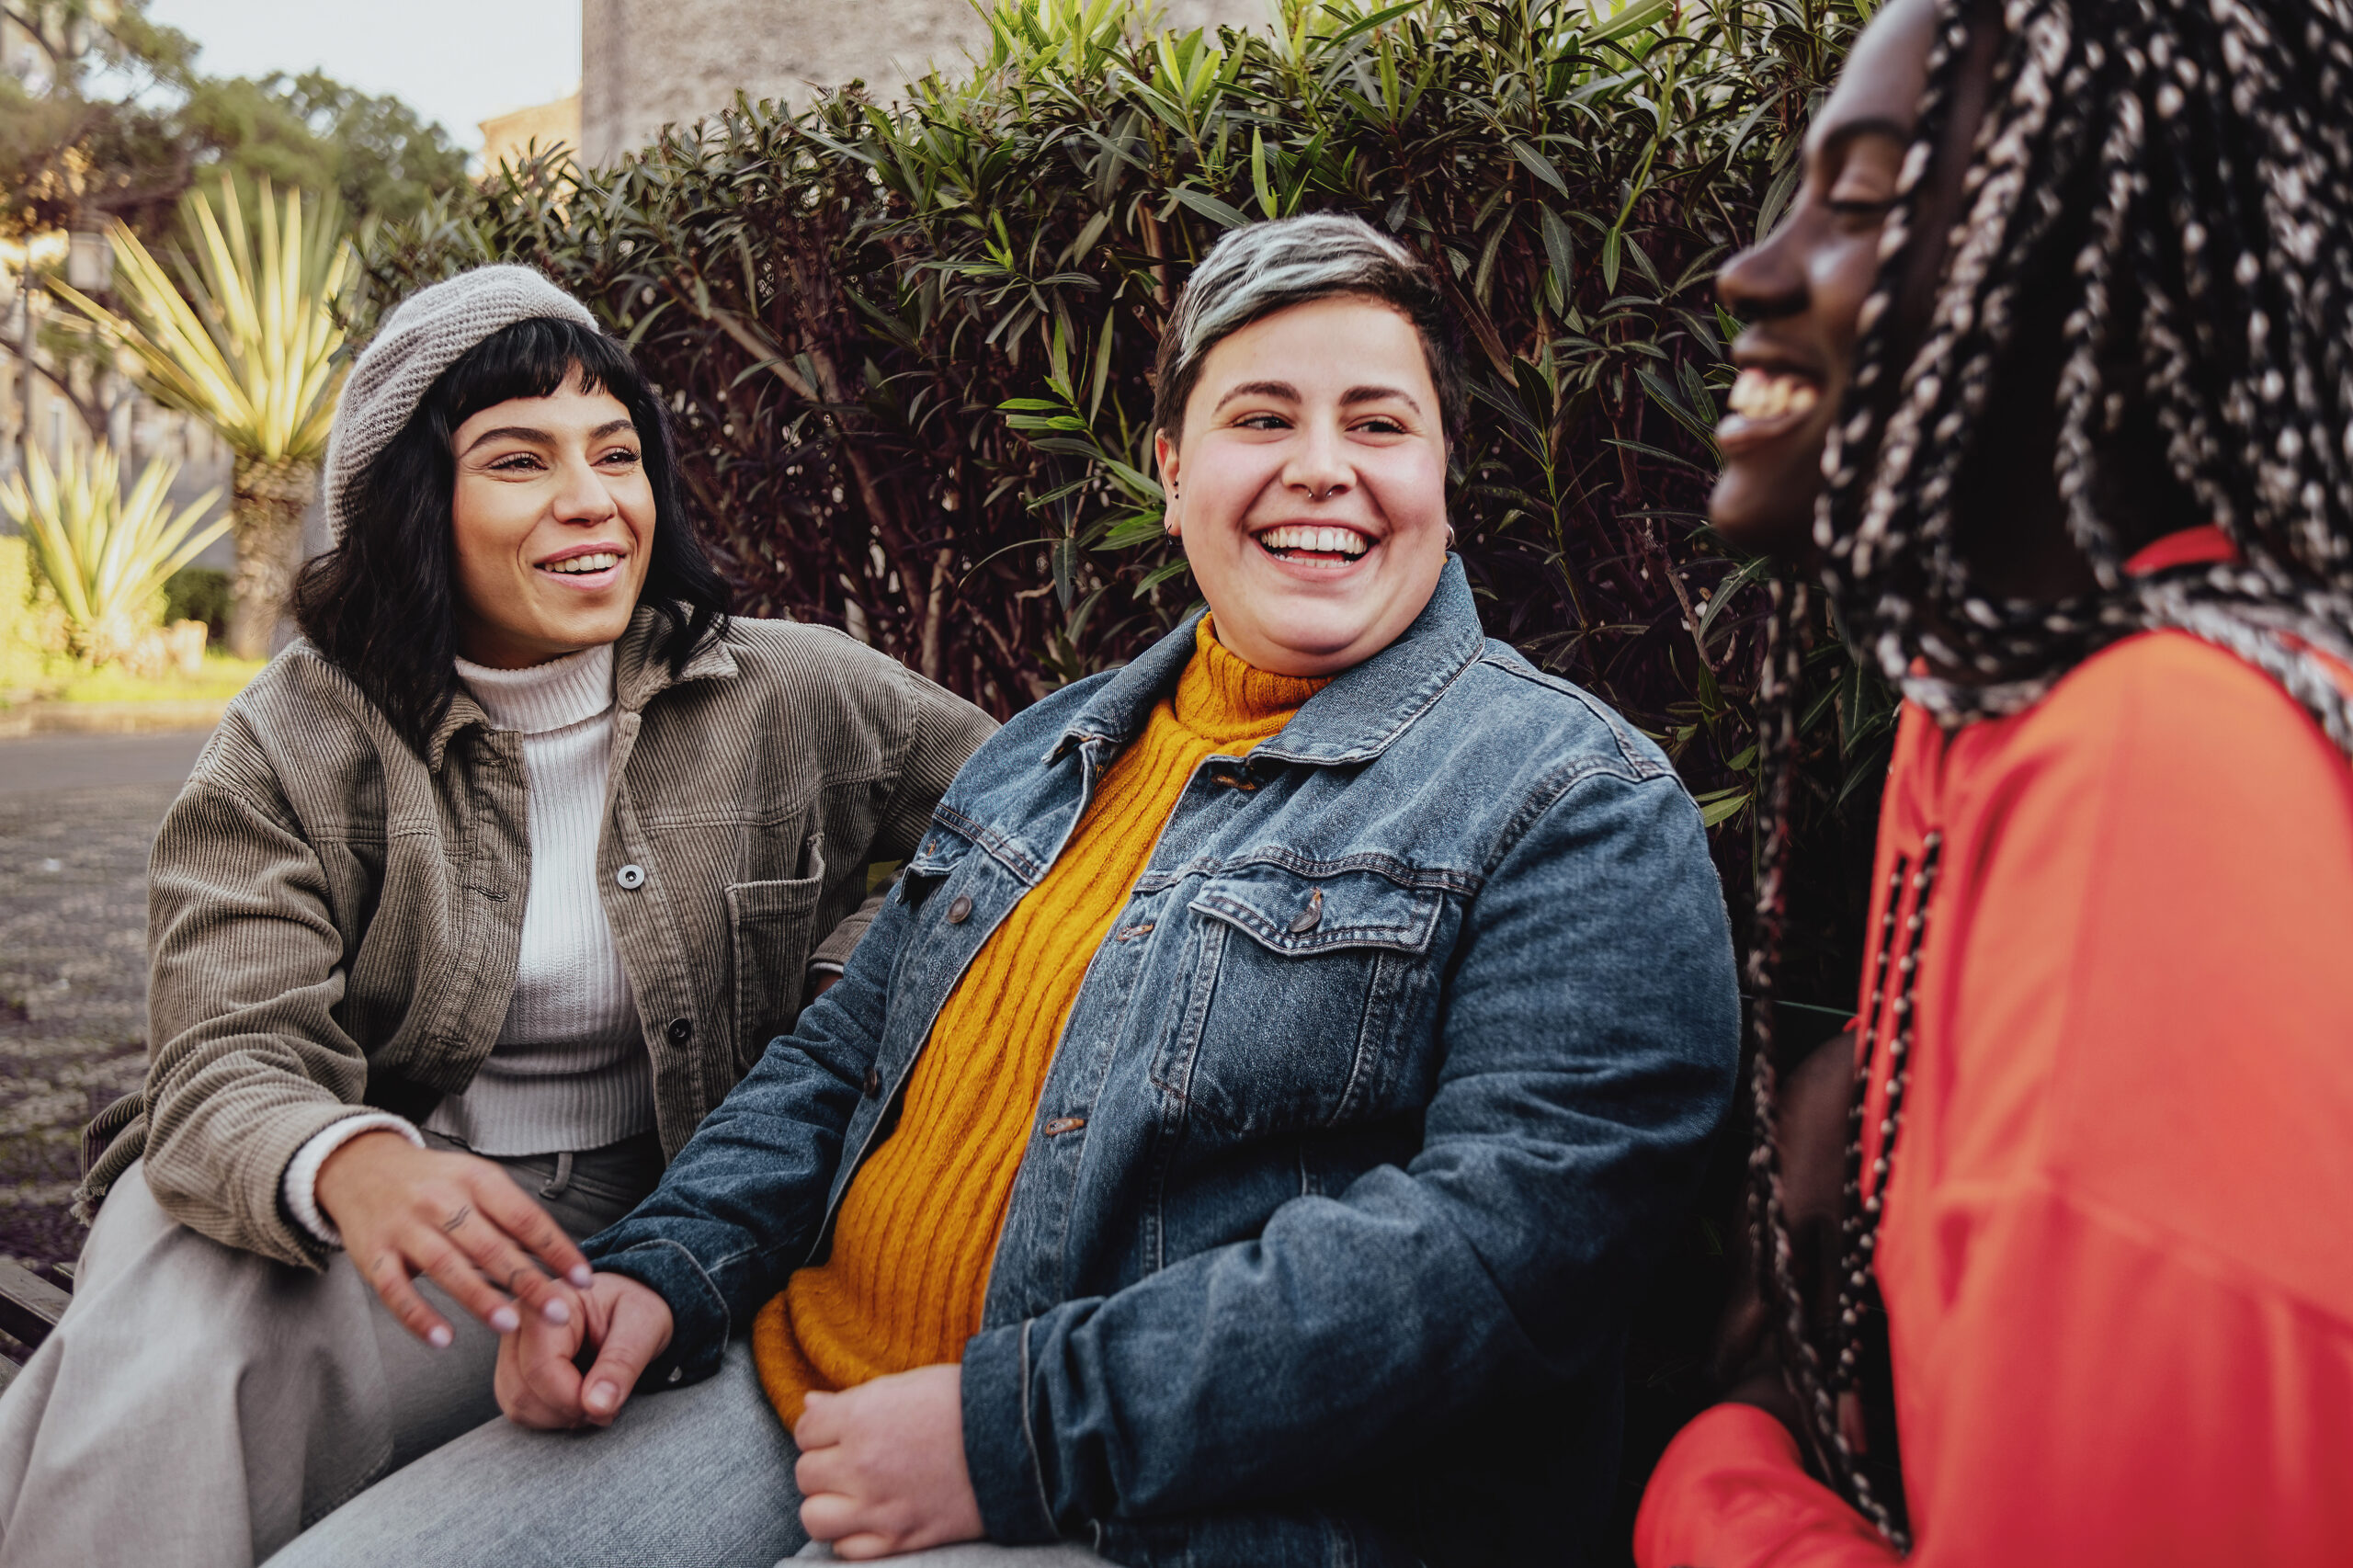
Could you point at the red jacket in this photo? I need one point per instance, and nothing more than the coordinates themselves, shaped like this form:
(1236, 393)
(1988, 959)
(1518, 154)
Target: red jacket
(2114, 1252)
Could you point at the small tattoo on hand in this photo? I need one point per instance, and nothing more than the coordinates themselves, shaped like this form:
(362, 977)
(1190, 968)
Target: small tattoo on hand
(450, 1226)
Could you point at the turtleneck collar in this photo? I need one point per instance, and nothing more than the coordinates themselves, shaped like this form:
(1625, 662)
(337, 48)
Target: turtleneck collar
(552, 696)
(1222, 698)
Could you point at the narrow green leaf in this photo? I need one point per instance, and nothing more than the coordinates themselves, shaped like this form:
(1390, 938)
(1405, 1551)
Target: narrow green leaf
(1258, 181)
(1729, 589)
(1634, 19)
(1720, 806)
(1559, 249)
(1777, 196)
(1162, 574)
(1540, 165)
(1209, 207)
(1366, 24)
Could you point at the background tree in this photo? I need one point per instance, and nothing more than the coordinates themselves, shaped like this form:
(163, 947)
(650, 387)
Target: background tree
(311, 132)
(105, 129)
(242, 334)
(91, 129)
(114, 119)
(88, 132)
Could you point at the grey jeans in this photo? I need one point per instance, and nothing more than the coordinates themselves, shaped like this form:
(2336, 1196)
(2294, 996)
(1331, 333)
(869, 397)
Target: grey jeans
(697, 1478)
(200, 1405)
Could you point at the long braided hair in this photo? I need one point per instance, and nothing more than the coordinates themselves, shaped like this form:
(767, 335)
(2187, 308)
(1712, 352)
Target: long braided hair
(2174, 173)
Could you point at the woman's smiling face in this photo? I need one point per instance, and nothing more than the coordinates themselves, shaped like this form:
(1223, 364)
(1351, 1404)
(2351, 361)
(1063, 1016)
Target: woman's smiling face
(1802, 289)
(1309, 488)
(553, 520)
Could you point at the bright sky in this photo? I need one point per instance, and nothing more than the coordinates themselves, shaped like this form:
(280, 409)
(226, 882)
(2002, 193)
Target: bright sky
(455, 60)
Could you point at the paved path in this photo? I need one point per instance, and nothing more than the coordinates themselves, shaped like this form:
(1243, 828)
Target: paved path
(77, 814)
(41, 764)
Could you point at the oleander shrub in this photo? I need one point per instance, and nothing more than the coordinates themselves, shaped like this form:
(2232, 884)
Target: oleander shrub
(908, 340)
(908, 343)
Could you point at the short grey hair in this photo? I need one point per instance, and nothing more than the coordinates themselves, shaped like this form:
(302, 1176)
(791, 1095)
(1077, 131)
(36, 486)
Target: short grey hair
(1260, 268)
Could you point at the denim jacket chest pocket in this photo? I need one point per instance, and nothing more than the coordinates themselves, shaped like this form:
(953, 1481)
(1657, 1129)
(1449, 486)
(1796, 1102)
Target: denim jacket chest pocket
(1299, 992)
(954, 893)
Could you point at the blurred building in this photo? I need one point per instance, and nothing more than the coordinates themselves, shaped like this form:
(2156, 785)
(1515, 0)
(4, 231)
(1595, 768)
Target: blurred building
(647, 63)
(508, 138)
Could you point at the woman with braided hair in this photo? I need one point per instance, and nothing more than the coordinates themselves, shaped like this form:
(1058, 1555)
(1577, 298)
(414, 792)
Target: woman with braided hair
(2062, 318)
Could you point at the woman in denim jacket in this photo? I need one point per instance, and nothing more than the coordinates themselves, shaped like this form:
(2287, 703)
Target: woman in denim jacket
(1240, 1138)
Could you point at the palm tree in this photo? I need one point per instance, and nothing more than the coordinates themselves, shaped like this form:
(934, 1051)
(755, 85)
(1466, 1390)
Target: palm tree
(246, 340)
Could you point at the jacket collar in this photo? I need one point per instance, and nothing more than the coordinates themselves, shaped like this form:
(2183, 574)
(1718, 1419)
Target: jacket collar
(1352, 720)
(637, 679)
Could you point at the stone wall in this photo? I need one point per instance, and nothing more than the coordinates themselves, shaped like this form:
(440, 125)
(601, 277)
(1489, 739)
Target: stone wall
(647, 63)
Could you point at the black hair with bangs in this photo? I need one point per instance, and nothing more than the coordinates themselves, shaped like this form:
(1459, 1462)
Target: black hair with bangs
(381, 604)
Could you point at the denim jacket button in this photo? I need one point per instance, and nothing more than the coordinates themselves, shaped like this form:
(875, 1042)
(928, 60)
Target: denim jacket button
(873, 1083)
(1307, 919)
(960, 911)
(630, 878)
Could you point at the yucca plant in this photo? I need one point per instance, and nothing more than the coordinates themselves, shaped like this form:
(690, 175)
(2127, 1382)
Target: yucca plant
(243, 333)
(105, 555)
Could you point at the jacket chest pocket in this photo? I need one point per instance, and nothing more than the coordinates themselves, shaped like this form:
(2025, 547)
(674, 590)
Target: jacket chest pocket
(1302, 992)
(769, 936)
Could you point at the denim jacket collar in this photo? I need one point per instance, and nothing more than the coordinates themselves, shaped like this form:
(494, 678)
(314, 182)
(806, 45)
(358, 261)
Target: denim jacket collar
(638, 678)
(1352, 720)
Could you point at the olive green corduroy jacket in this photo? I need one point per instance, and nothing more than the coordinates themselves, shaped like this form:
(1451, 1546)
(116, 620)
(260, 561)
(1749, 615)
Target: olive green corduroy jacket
(333, 921)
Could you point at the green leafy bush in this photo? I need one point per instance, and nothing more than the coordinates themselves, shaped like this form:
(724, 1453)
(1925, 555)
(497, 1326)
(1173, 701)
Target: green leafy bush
(200, 593)
(909, 346)
(32, 632)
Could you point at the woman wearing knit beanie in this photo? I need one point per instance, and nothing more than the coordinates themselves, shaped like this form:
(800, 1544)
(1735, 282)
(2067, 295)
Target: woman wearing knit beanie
(481, 896)
(1246, 1130)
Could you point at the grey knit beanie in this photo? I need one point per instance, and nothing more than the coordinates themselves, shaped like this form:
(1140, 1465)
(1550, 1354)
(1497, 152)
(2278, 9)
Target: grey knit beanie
(429, 332)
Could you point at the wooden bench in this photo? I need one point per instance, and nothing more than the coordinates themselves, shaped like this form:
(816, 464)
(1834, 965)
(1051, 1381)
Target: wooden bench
(30, 1308)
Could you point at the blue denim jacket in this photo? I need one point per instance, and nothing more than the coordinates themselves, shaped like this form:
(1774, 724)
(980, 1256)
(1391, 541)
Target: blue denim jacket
(1362, 1139)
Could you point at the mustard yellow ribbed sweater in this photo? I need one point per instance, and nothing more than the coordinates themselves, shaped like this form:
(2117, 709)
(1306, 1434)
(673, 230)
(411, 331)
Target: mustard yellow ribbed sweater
(910, 1265)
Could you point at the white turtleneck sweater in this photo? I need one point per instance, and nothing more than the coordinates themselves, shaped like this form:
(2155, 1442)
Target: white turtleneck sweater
(569, 1070)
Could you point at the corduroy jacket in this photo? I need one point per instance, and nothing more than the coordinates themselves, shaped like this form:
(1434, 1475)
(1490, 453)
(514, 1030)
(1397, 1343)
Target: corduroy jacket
(334, 921)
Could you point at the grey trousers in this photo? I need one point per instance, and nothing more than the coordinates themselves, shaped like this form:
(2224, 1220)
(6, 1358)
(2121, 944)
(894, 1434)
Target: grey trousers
(700, 1477)
(200, 1405)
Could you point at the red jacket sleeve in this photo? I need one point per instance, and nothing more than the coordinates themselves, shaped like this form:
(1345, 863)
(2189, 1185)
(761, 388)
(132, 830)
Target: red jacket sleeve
(2132, 1405)
(1729, 1489)
(2121, 1323)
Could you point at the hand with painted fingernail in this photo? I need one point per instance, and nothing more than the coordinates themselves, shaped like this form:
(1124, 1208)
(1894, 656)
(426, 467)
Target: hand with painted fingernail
(456, 1219)
(540, 1382)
